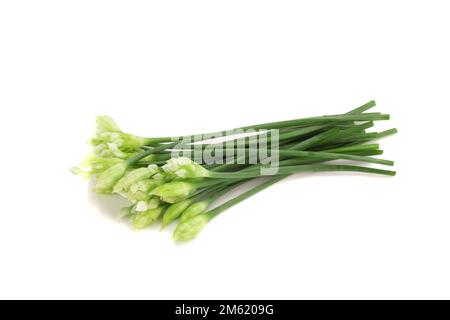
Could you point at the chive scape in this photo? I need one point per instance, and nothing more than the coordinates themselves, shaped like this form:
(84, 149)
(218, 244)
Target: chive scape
(302, 168)
(161, 181)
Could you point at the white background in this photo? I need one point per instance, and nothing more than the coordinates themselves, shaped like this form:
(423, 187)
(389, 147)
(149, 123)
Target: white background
(178, 67)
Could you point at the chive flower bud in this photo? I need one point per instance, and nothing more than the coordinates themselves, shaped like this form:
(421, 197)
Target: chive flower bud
(174, 191)
(93, 165)
(102, 150)
(118, 143)
(195, 209)
(174, 211)
(141, 190)
(159, 177)
(185, 168)
(129, 143)
(106, 124)
(113, 148)
(108, 178)
(143, 219)
(133, 177)
(151, 203)
(189, 229)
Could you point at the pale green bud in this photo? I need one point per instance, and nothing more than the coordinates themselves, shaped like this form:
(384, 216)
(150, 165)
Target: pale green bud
(118, 143)
(114, 149)
(151, 203)
(189, 229)
(133, 177)
(174, 211)
(159, 177)
(111, 150)
(164, 177)
(174, 191)
(194, 210)
(108, 178)
(143, 219)
(185, 168)
(102, 150)
(106, 124)
(94, 165)
(129, 142)
(141, 190)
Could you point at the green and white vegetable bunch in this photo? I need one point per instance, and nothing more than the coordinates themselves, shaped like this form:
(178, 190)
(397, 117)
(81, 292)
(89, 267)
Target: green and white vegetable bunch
(169, 189)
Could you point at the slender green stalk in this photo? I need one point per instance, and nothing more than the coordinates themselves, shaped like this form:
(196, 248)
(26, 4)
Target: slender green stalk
(299, 169)
(363, 108)
(386, 133)
(369, 148)
(334, 156)
(324, 155)
(148, 152)
(290, 123)
(364, 147)
(220, 190)
(317, 139)
(189, 150)
(367, 153)
(353, 141)
(308, 143)
(212, 213)
(354, 115)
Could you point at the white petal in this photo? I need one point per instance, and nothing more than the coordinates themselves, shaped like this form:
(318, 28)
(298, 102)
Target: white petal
(142, 206)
